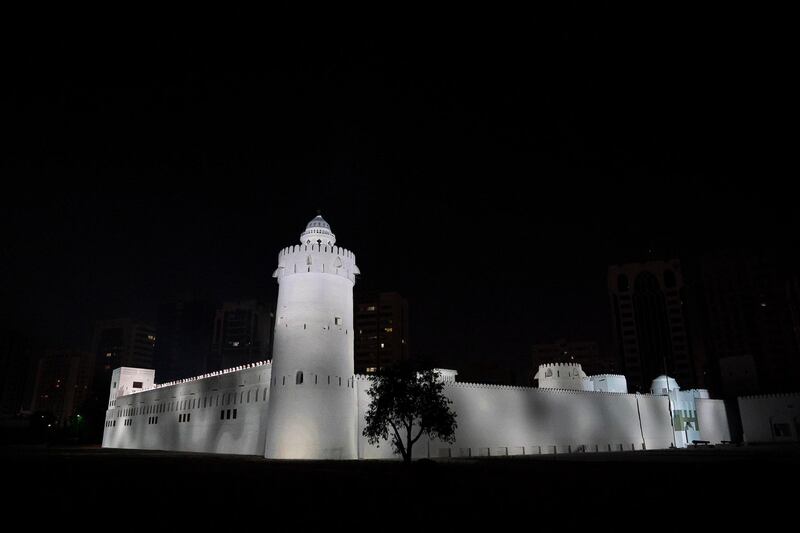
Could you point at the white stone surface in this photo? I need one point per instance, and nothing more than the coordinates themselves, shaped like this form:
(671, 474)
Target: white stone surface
(770, 418)
(566, 376)
(609, 383)
(312, 412)
(712, 416)
(187, 416)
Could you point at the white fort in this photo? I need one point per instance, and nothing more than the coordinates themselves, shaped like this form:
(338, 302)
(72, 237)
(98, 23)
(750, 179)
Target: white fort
(308, 404)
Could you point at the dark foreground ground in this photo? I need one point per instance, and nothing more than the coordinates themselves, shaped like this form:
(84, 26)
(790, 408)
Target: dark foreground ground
(92, 489)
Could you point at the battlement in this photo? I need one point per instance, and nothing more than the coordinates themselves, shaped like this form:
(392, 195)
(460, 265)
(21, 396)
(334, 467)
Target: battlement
(771, 396)
(316, 258)
(490, 386)
(559, 365)
(318, 248)
(203, 376)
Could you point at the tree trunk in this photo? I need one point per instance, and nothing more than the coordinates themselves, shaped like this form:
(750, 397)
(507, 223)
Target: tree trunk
(408, 456)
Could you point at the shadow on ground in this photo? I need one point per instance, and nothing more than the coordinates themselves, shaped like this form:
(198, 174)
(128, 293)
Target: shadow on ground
(98, 489)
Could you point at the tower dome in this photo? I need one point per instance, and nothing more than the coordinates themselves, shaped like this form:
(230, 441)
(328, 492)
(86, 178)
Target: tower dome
(664, 384)
(318, 231)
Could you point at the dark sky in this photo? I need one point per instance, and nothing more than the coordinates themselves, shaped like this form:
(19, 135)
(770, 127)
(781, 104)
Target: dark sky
(489, 177)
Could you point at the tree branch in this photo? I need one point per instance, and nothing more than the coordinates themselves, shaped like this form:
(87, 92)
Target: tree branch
(399, 440)
(421, 431)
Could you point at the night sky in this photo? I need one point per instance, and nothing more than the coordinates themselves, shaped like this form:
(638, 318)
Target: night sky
(490, 178)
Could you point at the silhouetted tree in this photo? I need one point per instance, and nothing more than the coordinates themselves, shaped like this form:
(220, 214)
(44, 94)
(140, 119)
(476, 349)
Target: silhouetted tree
(406, 404)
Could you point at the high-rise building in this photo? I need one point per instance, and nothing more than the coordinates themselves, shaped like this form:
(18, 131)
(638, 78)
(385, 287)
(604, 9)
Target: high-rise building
(123, 342)
(651, 334)
(63, 383)
(382, 337)
(585, 353)
(119, 342)
(184, 331)
(748, 322)
(17, 367)
(242, 334)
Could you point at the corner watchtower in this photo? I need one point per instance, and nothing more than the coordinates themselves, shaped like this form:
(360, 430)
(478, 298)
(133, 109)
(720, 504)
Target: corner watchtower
(312, 406)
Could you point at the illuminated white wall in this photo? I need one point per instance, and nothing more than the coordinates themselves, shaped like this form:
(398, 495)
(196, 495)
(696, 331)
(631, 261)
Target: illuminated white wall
(568, 376)
(152, 420)
(124, 378)
(770, 418)
(501, 420)
(609, 383)
(315, 419)
(712, 416)
(492, 419)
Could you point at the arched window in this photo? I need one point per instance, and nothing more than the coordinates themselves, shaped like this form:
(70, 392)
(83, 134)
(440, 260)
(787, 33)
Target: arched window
(298, 380)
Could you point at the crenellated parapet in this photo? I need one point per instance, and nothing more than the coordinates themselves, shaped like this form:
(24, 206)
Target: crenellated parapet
(316, 258)
(771, 396)
(202, 376)
(563, 376)
(535, 390)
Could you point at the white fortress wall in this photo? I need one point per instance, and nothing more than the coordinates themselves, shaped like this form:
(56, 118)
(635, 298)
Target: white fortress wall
(505, 420)
(493, 419)
(656, 425)
(712, 418)
(770, 418)
(196, 415)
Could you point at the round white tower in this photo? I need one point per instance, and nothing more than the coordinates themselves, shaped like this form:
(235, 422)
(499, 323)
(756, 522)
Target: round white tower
(312, 401)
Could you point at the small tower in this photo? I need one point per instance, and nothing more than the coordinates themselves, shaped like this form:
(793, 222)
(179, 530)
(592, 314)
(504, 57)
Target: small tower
(312, 403)
(567, 376)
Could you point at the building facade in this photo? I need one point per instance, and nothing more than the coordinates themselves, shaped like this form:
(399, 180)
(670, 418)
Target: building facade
(63, 383)
(748, 330)
(650, 330)
(242, 335)
(17, 372)
(184, 331)
(381, 331)
(120, 342)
